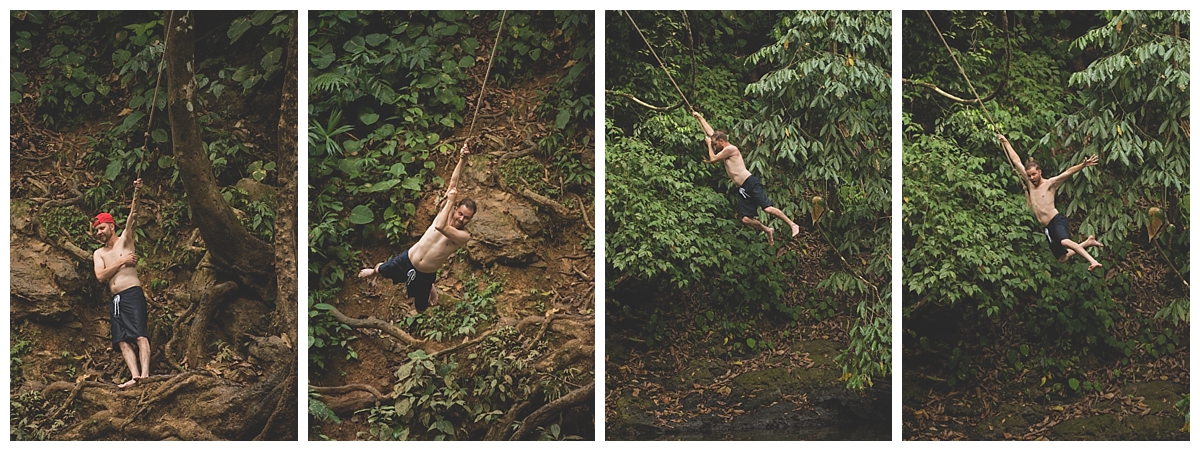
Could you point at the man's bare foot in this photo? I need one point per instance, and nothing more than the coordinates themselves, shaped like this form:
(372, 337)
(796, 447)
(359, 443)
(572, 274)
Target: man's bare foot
(770, 236)
(366, 272)
(1091, 241)
(795, 230)
(128, 383)
(138, 378)
(1094, 266)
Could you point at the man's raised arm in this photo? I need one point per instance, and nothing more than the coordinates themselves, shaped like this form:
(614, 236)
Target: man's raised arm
(1058, 179)
(1014, 159)
(440, 223)
(708, 131)
(458, 168)
(129, 222)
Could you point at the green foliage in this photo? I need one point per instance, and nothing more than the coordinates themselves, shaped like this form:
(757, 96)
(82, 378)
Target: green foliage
(19, 347)
(809, 108)
(828, 95)
(1078, 83)
(554, 434)
(319, 410)
(378, 70)
(66, 223)
(69, 86)
(327, 337)
(28, 417)
(659, 223)
(1184, 406)
(389, 87)
(439, 400)
(460, 320)
(259, 214)
(427, 394)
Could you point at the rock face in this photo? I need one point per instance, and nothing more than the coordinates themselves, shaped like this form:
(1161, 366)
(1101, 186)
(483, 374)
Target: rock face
(40, 276)
(501, 230)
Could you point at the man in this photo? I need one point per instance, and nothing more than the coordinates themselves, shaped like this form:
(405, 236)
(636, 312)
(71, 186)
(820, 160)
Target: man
(1039, 193)
(417, 267)
(751, 194)
(116, 265)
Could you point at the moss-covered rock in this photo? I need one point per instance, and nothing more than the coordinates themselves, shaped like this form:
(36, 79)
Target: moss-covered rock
(630, 416)
(1009, 418)
(821, 352)
(1099, 427)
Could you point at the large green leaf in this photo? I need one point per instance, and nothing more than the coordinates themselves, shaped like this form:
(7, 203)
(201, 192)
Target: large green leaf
(239, 26)
(361, 215)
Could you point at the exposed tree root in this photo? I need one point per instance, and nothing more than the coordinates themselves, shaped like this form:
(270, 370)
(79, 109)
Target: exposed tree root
(538, 417)
(558, 209)
(500, 430)
(530, 148)
(349, 388)
(283, 418)
(344, 400)
(372, 322)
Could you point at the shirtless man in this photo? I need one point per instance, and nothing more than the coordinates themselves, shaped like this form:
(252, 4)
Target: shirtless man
(1040, 196)
(417, 267)
(116, 265)
(751, 194)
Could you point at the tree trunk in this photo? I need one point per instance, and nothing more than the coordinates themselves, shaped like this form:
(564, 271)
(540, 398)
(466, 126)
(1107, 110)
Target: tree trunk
(284, 321)
(234, 250)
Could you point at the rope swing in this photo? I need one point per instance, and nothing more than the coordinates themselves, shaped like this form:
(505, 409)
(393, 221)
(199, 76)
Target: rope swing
(983, 107)
(963, 72)
(154, 99)
(660, 63)
(479, 100)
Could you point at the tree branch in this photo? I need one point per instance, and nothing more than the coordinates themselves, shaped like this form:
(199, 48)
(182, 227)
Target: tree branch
(642, 103)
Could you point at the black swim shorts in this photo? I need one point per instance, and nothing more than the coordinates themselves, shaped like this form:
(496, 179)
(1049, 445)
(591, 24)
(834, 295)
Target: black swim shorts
(127, 317)
(751, 196)
(400, 270)
(1057, 231)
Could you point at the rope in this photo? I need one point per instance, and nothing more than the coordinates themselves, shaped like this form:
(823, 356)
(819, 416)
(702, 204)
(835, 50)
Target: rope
(479, 101)
(660, 63)
(963, 72)
(983, 107)
(154, 99)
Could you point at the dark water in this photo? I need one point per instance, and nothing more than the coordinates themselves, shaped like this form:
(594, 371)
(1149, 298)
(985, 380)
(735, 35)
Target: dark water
(881, 431)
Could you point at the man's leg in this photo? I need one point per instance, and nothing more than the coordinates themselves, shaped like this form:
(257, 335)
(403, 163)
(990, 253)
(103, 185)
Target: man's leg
(433, 296)
(1091, 241)
(131, 362)
(144, 353)
(779, 214)
(753, 223)
(1078, 249)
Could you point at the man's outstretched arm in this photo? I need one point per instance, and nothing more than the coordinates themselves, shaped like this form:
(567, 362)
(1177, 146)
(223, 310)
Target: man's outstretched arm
(708, 131)
(1014, 159)
(130, 223)
(1058, 179)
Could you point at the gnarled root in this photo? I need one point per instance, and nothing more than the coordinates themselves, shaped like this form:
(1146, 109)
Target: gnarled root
(538, 417)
